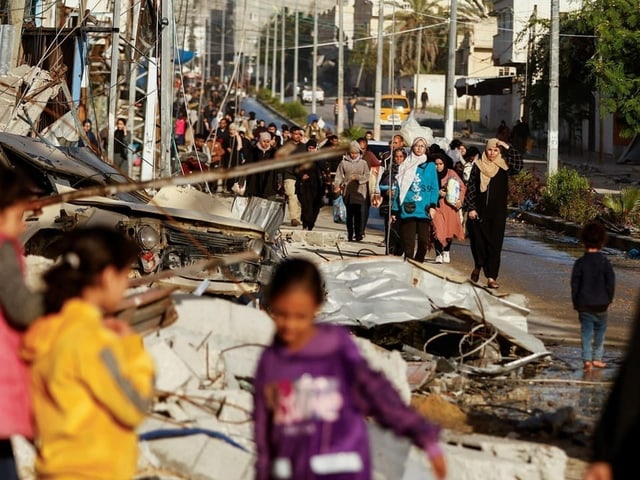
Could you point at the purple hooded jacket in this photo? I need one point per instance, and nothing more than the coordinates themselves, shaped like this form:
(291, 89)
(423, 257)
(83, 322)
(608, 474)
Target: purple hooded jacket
(310, 409)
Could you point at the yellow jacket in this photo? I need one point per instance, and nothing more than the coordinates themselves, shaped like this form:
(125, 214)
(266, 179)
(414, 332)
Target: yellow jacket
(90, 389)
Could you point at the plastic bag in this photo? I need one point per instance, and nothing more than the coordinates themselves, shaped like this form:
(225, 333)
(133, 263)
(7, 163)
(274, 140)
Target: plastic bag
(339, 210)
(411, 130)
(453, 191)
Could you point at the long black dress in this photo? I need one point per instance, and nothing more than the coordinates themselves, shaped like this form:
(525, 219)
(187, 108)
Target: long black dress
(486, 234)
(310, 192)
(268, 184)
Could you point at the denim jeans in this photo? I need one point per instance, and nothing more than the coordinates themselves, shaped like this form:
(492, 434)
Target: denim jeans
(593, 326)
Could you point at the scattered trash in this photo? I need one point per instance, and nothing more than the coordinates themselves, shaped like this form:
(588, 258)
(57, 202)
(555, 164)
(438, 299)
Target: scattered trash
(634, 253)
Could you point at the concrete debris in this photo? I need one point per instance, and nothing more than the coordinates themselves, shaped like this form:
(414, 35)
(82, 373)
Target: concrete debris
(26, 92)
(501, 458)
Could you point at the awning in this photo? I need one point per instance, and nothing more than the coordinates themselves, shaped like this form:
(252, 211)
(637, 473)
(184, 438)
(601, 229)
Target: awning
(484, 86)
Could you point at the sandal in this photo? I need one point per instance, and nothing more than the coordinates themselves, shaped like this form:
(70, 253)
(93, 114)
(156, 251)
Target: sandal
(599, 364)
(475, 275)
(588, 366)
(491, 283)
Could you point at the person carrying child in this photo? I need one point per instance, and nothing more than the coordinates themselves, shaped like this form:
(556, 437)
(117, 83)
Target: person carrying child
(313, 390)
(592, 289)
(19, 307)
(91, 379)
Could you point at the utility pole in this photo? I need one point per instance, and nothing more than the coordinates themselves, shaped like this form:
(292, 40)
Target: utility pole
(258, 61)
(266, 58)
(222, 39)
(449, 97)
(314, 70)
(554, 80)
(418, 68)
(282, 55)
(340, 126)
(166, 87)
(274, 78)
(113, 81)
(296, 57)
(378, 89)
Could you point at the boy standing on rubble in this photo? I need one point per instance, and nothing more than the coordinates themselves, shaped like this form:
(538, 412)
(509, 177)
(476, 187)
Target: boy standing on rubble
(592, 289)
(19, 307)
(313, 391)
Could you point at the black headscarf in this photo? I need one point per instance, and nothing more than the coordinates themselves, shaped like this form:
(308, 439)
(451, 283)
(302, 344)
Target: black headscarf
(446, 159)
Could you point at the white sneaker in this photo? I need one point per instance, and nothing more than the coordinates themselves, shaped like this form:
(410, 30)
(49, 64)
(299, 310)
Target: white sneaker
(438, 259)
(446, 258)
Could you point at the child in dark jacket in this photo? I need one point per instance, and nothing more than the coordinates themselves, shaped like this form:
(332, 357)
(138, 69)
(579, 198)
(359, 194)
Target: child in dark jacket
(592, 289)
(19, 307)
(313, 391)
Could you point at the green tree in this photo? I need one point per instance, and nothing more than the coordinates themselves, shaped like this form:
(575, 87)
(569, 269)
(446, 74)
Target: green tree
(616, 63)
(422, 16)
(576, 79)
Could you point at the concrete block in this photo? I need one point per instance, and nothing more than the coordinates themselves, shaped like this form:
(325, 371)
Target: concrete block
(391, 364)
(171, 372)
(220, 461)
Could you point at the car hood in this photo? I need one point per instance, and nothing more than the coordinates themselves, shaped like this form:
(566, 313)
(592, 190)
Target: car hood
(190, 216)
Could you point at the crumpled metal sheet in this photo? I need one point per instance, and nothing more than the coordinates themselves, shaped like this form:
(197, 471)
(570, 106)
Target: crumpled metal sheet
(262, 212)
(381, 290)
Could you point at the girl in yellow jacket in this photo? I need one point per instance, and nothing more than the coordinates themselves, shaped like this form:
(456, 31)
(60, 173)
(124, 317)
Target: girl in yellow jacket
(91, 379)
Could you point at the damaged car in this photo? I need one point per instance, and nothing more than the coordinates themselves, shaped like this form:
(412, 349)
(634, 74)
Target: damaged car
(169, 237)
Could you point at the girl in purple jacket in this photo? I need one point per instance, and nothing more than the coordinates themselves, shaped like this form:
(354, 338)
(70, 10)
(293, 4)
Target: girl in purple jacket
(313, 391)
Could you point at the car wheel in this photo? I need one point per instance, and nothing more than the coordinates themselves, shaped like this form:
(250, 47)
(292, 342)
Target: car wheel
(322, 104)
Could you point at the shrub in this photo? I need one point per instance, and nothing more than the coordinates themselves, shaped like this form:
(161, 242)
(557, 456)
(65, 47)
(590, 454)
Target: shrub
(525, 189)
(623, 207)
(354, 132)
(295, 111)
(569, 195)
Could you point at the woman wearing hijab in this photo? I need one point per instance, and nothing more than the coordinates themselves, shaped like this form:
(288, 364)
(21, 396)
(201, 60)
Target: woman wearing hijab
(446, 219)
(268, 184)
(391, 229)
(486, 204)
(416, 194)
(310, 190)
(352, 179)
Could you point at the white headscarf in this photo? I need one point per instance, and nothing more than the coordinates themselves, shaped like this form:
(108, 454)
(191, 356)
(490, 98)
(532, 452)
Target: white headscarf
(408, 168)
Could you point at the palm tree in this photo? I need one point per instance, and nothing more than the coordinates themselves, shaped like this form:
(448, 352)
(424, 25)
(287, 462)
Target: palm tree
(414, 20)
(473, 10)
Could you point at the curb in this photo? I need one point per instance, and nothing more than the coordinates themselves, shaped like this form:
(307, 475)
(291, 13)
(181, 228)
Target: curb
(614, 240)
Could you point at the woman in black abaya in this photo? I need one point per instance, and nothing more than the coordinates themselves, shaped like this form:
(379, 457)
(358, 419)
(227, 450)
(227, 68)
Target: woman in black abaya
(486, 204)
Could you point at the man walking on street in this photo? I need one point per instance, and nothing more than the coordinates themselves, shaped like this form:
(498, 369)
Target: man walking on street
(290, 177)
(411, 96)
(424, 98)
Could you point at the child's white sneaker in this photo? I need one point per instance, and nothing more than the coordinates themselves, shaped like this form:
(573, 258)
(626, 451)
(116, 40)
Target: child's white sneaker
(438, 258)
(446, 258)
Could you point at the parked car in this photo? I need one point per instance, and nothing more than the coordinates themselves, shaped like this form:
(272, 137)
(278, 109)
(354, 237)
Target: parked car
(306, 95)
(394, 109)
(169, 237)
